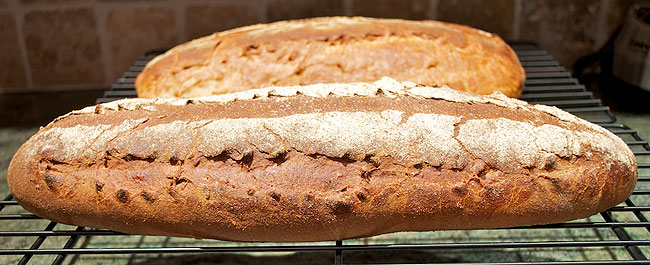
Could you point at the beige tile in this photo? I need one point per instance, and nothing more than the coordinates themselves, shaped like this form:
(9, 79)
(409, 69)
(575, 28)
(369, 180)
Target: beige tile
(295, 9)
(63, 47)
(489, 15)
(205, 19)
(12, 76)
(566, 29)
(132, 32)
(416, 9)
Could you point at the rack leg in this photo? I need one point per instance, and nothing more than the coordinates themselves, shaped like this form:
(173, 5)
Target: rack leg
(338, 259)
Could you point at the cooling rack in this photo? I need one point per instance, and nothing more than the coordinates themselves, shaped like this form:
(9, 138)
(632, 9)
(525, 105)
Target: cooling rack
(620, 235)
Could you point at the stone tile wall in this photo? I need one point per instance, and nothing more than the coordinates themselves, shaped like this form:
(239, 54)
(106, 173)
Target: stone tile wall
(57, 45)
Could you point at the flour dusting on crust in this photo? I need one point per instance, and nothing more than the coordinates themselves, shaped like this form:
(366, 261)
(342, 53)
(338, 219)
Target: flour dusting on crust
(505, 143)
(384, 87)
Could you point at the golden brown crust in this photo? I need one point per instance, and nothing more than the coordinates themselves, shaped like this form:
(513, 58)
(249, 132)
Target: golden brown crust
(301, 197)
(210, 168)
(337, 49)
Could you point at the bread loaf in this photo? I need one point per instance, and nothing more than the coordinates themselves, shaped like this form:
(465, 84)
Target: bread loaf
(320, 162)
(335, 49)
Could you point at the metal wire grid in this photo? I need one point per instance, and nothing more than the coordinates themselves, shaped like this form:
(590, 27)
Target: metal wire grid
(547, 83)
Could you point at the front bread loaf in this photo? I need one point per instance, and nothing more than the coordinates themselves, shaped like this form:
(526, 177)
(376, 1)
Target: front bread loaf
(335, 49)
(320, 162)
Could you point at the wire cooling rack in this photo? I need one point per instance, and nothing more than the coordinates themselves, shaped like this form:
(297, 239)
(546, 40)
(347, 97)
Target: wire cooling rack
(620, 235)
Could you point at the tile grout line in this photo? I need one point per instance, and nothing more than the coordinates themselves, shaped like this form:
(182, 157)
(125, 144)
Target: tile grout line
(347, 8)
(87, 4)
(55, 7)
(180, 13)
(263, 11)
(19, 19)
(516, 28)
(101, 17)
(60, 88)
(432, 13)
(601, 37)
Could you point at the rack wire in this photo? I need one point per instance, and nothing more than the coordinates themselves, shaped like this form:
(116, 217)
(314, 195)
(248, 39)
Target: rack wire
(619, 235)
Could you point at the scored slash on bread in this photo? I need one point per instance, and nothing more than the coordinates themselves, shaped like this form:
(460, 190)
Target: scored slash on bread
(320, 162)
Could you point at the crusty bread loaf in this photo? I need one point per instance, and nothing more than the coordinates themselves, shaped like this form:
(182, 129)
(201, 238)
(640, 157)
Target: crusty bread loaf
(334, 50)
(320, 162)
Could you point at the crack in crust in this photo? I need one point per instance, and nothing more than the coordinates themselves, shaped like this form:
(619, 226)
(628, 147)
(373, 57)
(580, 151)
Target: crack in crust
(431, 138)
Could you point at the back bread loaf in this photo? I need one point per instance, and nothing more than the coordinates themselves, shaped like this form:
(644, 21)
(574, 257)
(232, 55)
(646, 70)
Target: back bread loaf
(335, 49)
(320, 162)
